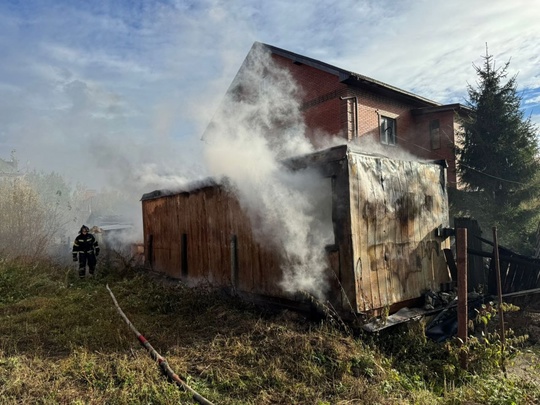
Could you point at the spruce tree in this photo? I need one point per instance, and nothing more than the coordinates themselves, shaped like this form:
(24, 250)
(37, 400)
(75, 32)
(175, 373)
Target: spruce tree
(498, 159)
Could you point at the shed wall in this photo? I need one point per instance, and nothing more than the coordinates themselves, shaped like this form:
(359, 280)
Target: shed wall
(396, 206)
(204, 236)
(384, 213)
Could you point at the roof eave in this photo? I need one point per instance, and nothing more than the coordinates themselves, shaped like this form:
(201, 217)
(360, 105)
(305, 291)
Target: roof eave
(456, 108)
(349, 77)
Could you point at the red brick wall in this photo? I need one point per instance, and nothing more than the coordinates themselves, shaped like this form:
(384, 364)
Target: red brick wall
(325, 114)
(320, 92)
(447, 137)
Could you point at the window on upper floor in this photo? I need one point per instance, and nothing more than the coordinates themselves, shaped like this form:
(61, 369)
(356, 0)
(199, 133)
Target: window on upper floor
(388, 130)
(435, 134)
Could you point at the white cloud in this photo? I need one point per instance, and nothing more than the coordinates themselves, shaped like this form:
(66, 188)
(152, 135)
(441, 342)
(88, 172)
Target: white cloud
(533, 100)
(149, 72)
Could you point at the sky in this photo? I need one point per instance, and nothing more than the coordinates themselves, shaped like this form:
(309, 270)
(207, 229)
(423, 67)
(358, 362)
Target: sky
(117, 94)
(111, 93)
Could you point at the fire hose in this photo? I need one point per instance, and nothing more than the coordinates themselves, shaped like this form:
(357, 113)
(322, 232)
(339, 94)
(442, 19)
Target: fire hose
(162, 362)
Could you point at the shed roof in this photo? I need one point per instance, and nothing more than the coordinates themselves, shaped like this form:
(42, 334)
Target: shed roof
(188, 188)
(294, 163)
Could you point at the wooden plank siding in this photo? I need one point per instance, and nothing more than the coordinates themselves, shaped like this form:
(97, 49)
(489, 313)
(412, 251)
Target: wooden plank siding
(210, 218)
(384, 215)
(396, 206)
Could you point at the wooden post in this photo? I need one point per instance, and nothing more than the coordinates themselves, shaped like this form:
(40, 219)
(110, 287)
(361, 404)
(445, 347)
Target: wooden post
(499, 293)
(461, 247)
(476, 275)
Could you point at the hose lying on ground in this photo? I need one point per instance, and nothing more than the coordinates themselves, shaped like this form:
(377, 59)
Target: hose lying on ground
(160, 359)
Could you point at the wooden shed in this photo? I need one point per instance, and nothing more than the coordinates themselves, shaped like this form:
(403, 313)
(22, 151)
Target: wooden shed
(387, 248)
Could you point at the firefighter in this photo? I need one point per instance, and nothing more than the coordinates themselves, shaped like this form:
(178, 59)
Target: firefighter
(87, 248)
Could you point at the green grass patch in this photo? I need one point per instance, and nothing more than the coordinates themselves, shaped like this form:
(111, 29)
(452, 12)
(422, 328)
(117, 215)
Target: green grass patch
(63, 342)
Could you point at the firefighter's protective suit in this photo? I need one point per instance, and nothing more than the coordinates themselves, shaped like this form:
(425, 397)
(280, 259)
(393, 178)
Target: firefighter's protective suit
(85, 249)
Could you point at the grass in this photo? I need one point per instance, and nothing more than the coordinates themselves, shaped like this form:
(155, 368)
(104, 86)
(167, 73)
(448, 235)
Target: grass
(63, 342)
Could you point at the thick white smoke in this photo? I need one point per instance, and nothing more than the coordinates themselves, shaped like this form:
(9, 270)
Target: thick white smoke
(258, 125)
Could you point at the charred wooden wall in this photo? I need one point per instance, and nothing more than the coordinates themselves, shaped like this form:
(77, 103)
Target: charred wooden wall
(396, 208)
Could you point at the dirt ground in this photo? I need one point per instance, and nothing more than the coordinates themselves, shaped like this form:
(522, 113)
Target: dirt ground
(526, 321)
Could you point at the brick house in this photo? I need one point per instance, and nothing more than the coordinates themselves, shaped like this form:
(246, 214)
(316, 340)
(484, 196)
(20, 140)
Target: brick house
(384, 216)
(348, 105)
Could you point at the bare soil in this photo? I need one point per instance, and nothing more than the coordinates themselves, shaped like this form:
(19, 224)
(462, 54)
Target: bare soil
(526, 322)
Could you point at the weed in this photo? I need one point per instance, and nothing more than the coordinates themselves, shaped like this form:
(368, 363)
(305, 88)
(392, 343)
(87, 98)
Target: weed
(62, 341)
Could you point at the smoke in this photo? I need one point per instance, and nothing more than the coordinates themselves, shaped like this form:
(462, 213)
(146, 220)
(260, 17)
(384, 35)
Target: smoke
(258, 125)
(369, 143)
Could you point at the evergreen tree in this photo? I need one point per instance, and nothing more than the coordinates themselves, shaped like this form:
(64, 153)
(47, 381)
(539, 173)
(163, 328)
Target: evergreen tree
(498, 157)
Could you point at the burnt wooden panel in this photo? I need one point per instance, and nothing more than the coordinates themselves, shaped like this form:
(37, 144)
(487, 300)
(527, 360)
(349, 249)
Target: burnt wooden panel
(395, 208)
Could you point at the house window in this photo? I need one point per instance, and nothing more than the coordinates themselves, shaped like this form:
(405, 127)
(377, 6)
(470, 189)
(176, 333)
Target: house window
(435, 134)
(388, 130)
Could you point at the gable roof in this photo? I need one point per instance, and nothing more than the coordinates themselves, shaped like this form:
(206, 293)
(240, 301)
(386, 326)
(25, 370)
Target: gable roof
(352, 78)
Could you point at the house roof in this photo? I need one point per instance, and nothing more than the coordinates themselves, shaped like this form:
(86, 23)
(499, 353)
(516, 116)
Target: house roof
(458, 108)
(8, 167)
(348, 77)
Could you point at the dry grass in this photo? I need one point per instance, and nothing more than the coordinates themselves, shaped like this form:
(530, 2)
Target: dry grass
(62, 342)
